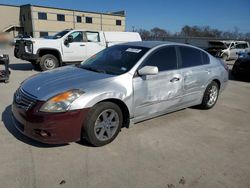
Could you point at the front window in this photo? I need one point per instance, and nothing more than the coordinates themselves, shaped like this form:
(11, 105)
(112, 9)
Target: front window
(115, 60)
(60, 34)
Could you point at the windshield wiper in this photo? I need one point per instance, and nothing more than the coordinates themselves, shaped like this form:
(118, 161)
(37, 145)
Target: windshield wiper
(94, 69)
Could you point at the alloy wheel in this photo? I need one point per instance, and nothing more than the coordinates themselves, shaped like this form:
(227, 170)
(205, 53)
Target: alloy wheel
(106, 125)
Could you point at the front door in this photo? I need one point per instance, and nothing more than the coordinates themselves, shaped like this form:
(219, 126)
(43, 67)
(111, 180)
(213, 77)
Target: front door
(76, 50)
(154, 94)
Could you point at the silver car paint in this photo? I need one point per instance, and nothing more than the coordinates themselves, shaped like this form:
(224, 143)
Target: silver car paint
(145, 97)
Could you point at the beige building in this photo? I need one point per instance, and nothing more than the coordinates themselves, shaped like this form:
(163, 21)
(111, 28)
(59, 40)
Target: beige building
(40, 21)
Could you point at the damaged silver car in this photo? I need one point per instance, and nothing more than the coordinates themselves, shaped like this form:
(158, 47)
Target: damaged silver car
(117, 87)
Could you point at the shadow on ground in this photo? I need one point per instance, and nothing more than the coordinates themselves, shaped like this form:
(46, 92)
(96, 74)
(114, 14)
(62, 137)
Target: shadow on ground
(7, 120)
(22, 66)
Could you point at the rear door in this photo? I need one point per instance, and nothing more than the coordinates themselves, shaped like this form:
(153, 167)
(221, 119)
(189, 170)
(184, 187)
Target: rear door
(94, 44)
(196, 72)
(157, 93)
(75, 51)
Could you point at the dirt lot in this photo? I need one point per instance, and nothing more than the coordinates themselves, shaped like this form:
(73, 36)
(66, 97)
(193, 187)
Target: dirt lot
(188, 148)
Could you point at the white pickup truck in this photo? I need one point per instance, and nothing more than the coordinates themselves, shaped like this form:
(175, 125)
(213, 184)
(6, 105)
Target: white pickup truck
(233, 49)
(68, 46)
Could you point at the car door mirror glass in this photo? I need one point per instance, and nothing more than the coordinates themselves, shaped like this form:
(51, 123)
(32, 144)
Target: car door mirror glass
(69, 39)
(148, 70)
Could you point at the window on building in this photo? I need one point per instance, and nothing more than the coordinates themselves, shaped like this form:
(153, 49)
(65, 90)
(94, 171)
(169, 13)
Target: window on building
(118, 22)
(190, 57)
(44, 34)
(164, 58)
(89, 20)
(61, 17)
(42, 16)
(78, 19)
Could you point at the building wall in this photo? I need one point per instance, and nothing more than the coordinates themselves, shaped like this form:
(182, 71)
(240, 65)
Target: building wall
(26, 18)
(9, 15)
(52, 25)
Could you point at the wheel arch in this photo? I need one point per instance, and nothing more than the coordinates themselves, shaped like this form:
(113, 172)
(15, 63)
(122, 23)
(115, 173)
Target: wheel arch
(122, 105)
(56, 53)
(218, 82)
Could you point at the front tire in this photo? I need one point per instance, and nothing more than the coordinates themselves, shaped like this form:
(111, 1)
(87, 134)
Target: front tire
(103, 123)
(49, 62)
(210, 96)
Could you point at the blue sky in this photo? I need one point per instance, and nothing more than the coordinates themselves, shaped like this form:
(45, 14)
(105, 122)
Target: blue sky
(167, 14)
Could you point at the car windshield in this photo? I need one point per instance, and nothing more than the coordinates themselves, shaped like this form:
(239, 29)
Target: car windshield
(115, 60)
(60, 34)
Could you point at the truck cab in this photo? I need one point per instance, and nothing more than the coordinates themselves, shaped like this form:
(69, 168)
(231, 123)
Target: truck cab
(234, 48)
(69, 46)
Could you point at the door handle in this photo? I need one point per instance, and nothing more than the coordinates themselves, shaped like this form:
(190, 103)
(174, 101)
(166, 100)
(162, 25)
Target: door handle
(175, 79)
(82, 45)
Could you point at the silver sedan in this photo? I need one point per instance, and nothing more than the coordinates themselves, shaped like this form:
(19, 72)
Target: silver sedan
(117, 87)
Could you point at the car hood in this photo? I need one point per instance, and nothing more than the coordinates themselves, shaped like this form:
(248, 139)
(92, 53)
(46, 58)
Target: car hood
(50, 83)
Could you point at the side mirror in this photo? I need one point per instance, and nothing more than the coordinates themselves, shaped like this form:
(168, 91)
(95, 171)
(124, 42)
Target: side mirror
(232, 47)
(68, 40)
(148, 70)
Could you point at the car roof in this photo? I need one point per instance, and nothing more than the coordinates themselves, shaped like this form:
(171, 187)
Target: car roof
(152, 44)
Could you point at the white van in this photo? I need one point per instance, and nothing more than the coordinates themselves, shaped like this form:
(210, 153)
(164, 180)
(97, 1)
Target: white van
(69, 46)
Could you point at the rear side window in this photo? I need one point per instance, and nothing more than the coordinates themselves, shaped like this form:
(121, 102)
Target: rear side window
(190, 57)
(164, 58)
(241, 46)
(205, 58)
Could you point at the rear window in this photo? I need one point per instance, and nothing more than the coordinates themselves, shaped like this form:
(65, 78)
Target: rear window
(241, 46)
(190, 57)
(205, 58)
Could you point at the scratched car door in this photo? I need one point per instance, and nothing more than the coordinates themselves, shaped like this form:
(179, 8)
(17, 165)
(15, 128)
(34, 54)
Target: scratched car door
(196, 71)
(157, 93)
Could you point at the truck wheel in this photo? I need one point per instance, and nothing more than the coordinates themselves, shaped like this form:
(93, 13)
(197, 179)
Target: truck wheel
(103, 123)
(49, 62)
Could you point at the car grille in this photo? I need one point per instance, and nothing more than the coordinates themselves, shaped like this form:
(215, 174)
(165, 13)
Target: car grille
(24, 100)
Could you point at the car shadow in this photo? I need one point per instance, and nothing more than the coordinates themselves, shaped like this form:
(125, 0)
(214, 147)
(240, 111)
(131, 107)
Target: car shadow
(22, 66)
(7, 121)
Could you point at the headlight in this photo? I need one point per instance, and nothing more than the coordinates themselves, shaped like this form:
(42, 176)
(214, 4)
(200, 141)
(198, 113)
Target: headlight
(28, 48)
(61, 102)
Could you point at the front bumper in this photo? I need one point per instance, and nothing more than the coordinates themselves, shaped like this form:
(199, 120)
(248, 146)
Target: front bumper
(49, 128)
(19, 52)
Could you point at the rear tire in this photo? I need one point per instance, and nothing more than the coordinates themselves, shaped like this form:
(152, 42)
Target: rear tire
(103, 123)
(49, 62)
(210, 96)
